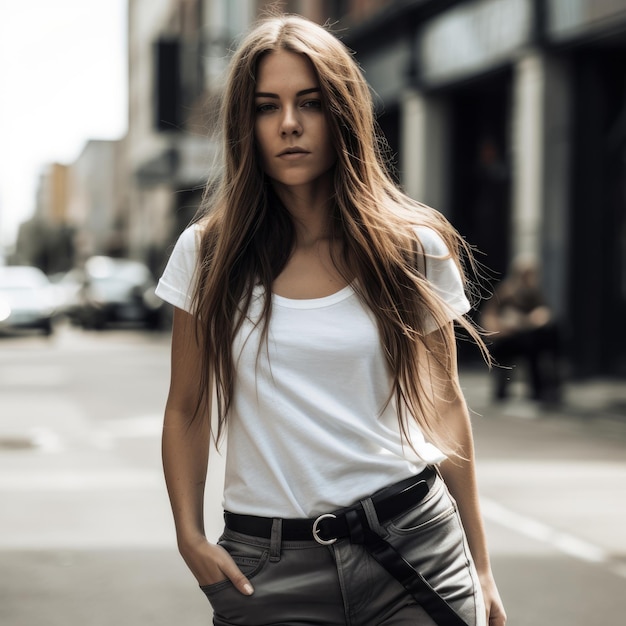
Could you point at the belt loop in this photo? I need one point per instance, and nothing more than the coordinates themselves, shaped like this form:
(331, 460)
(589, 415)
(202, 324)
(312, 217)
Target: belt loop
(276, 539)
(372, 517)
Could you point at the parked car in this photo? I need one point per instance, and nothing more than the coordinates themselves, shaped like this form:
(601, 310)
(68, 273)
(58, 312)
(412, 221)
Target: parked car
(67, 288)
(26, 299)
(112, 291)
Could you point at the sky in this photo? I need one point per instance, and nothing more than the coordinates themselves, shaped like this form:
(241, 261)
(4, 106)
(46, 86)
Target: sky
(63, 81)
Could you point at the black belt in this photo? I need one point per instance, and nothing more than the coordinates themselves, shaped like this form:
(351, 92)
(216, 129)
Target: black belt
(327, 528)
(352, 523)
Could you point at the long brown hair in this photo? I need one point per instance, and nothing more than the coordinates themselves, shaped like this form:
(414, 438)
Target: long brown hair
(247, 235)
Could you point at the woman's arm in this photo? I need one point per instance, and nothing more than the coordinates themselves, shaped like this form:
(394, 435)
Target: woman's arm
(459, 473)
(185, 450)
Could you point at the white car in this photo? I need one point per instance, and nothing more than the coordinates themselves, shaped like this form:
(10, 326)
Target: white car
(27, 299)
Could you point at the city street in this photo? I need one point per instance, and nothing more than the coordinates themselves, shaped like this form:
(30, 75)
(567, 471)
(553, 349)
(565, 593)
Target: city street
(86, 537)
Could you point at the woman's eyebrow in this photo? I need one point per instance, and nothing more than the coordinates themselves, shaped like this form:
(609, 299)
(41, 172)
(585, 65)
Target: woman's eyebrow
(303, 92)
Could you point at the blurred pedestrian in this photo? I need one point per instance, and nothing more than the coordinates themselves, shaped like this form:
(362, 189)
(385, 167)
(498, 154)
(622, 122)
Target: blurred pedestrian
(524, 331)
(318, 302)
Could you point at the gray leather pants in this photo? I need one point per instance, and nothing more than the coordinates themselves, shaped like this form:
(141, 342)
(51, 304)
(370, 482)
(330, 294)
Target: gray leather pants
(298, 583)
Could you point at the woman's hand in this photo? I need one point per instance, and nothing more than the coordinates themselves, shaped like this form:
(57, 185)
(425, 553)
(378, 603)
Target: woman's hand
(211, 564)
(493, 604)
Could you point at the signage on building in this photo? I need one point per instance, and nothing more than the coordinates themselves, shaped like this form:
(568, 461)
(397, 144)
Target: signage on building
(473, 38)
(570, 18)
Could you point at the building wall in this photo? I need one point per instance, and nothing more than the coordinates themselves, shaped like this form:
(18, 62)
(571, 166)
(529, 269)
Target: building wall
(146, 207)
(548, 72)
(146, 19)
(93, 197)
(46, 240)
(53, 193)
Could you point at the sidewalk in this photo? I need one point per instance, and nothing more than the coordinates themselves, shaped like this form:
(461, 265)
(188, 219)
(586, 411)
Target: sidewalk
(598, 404)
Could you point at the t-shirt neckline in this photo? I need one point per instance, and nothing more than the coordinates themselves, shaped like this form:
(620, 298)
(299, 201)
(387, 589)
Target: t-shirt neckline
(313, 303)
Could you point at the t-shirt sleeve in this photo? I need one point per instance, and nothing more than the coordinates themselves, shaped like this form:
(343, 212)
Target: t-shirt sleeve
(176, 284)
(444, 276)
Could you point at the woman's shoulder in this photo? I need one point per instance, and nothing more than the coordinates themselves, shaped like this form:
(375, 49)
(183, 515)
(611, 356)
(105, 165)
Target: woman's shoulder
(187, 245)
(434, 234)
(431, 241)
(191, 238)
(192, 234)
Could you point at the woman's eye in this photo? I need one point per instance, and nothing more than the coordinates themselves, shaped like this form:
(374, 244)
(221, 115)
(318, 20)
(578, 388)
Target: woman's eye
(312, 104)
(265, 107)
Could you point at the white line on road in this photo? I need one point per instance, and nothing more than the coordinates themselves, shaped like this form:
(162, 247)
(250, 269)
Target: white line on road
(67, 480)
(148, 426)
(47, 440)
(562, 541)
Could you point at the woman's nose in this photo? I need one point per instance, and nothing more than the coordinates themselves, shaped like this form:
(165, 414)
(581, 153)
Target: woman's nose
(290, 123)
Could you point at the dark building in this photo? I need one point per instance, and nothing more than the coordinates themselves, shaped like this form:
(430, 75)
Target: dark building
(510, 117)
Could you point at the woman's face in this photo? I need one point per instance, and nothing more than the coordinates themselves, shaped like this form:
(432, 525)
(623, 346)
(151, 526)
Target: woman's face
(291, 129)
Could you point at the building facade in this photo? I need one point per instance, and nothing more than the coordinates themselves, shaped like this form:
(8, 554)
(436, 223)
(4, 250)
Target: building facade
(509, 117)
(46, 239)
(96, 183)
(506, 115)
(178, 52)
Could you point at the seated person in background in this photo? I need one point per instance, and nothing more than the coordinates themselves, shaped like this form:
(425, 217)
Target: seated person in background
(523, 328)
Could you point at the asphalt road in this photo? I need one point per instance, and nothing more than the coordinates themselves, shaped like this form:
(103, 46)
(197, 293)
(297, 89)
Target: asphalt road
(86, 537)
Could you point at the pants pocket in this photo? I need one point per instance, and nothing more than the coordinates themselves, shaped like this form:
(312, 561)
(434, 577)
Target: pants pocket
(432, 510)
(300, 587)
(250, 559)
(431, 538)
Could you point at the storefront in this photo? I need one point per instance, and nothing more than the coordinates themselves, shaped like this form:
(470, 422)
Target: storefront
(467, 57)
(446, 84)
(591, 38)
(509, 116)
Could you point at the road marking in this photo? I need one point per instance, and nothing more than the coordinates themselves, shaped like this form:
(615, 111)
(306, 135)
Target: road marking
(103, 437)
(83, 480)
(40, 439)
(139, 426)
(562, 541)
(47, 440)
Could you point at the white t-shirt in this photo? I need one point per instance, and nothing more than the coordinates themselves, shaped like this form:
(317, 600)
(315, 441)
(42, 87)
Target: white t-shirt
(306, 434)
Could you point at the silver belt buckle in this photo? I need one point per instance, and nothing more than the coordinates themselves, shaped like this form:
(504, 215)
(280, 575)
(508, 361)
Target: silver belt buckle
(316, 531)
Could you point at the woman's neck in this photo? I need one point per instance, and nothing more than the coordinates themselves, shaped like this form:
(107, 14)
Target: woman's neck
(310, 210)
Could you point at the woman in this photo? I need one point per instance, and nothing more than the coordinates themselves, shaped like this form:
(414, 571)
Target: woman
(318, 302)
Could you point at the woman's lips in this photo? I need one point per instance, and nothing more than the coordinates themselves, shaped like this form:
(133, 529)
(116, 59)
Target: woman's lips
(293, 156)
